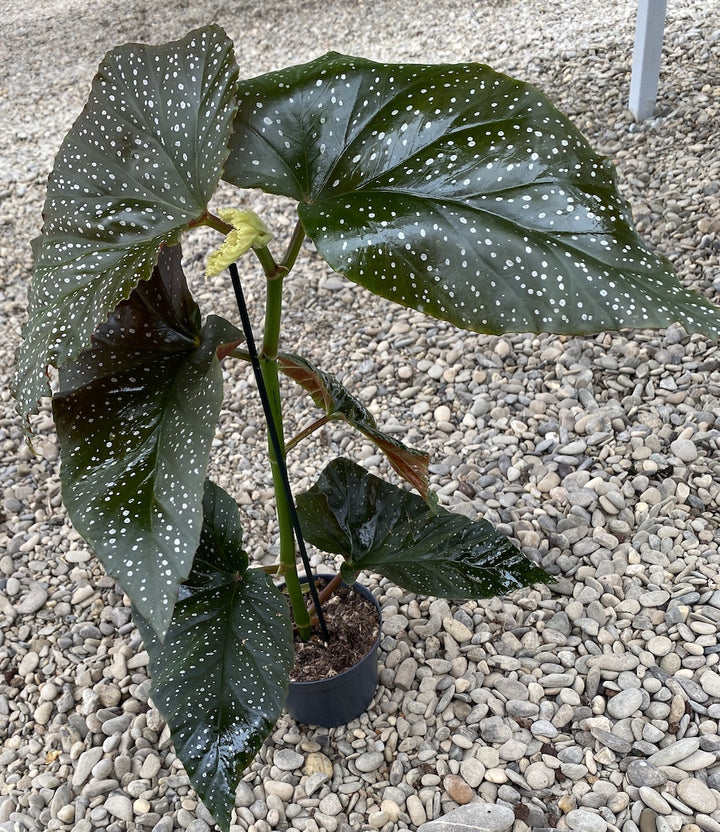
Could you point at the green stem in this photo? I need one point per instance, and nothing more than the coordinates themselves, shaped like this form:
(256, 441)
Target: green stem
(294, 247)
(269, 367)
(212, 222)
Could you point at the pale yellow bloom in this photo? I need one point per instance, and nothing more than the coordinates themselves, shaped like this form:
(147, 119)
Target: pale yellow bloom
(248, 232)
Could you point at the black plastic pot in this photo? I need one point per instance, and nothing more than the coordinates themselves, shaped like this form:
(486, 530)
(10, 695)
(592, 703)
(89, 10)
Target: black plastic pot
(339, 699)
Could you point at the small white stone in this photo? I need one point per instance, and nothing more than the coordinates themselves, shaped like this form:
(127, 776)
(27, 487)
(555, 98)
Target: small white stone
(684, 449)
(659, 645)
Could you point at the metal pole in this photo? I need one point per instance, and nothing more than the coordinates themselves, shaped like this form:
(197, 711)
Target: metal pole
(646, 57)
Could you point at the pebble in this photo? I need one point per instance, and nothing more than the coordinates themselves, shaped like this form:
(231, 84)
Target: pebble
(330, 805)
(654, 801)
(475, 817)
(458, 789)
(642, 773)
(459, 631)
(472, 771)
(696, 795)
(581, 820)
(405, 674)
(318, 763)
(370, 761)
(674, 752)
(85, 764)
(416, 810)
(288, 760)
(119, 806)
(684, 449)
(33, 601)
(539, 776)
(624, 703)
(710, 683)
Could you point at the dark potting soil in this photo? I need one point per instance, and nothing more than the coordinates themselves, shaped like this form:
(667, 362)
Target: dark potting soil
(352, 624)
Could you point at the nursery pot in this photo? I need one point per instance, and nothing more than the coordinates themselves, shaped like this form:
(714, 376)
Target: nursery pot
(338, 699)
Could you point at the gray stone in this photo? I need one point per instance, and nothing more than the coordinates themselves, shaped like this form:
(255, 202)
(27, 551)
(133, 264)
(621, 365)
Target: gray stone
(684, 450)
(314, 781)
(370, 761)
(582, 820)
(493, 729)
(472, 771)
(642, 773)
(654, 801)
(610, 740)
(287, 760)
(85, 764)
(475, 817)
(405, 674)
(33, 601)
(539, 776)
(543, 728)
(330, 805)
(674, 752)
(710, 683)
(119, 806)
(394, 624)
(624, 703)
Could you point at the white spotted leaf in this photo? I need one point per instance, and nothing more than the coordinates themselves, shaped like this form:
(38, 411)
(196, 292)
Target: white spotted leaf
(220, 678)
(138, 166)
(377, 526)
(457, 191)
(135, 416)
(338, 403)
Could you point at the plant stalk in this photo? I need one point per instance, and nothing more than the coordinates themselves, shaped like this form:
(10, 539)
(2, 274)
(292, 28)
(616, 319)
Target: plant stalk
(266, 372)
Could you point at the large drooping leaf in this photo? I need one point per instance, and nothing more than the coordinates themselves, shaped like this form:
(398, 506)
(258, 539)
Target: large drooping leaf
(377, 526)
(135, 416)
(221, 677)
(457, 191)
(338, 403)
(137, 167)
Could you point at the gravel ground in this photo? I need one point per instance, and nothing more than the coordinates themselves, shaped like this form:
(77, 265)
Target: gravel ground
(591, 704)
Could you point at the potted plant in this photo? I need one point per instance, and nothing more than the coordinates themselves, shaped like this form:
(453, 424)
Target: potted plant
(452, 189)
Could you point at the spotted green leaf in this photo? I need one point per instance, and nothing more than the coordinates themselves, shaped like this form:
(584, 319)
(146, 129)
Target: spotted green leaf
(457, 191)
(338, 403)
(135, 416)
(137, 167)
(221, 677)
(377, 526)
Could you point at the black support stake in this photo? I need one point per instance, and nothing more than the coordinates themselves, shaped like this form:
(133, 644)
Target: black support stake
(275, 440)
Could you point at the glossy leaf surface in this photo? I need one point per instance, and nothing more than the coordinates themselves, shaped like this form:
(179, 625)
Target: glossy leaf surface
(377, 526)
(457, 191)
(137, 167)
(221, 677)
(338, 403)
(135, 417)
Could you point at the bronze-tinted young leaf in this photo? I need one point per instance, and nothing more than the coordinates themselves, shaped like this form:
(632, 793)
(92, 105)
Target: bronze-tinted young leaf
(457, 191)
(135, 417)
(338, 403)
(221, 677)
(377, 526)
(137, 167)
